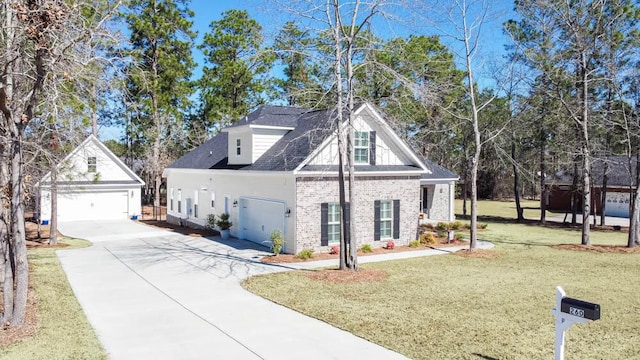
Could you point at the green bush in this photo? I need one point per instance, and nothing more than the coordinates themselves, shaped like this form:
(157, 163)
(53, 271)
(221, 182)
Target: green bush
(483, 226)
(277, 241)
(414, 243)
(366, 248)
(427, 239)
(456, 225)
(211, 221)
(305, 254)
(442, 233)
(224, 223)
(427, 226)
(442, 226)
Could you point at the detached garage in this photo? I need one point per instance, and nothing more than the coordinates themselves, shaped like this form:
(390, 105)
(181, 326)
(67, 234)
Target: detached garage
(92, 184)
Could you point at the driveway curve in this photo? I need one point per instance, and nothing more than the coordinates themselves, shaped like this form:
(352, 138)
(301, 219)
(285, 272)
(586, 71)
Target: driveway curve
(154, 294)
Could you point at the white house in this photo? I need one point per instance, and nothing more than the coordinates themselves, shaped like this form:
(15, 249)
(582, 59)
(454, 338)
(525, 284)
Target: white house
(276, 169)
(92, 184)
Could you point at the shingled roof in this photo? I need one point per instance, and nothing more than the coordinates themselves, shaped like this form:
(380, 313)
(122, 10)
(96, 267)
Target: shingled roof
(309, 129)
(620, 172)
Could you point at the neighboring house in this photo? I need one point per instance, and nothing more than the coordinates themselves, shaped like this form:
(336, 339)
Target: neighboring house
(92, 184)
(620, 176)
(277, 169)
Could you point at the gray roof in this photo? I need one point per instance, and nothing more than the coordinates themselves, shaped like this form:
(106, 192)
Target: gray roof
(268, 115)
(437, 171)
(620, 172)
(310, 129)
(206, 156)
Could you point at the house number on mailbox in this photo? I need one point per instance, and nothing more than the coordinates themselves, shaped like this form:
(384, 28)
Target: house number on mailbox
(576, 312)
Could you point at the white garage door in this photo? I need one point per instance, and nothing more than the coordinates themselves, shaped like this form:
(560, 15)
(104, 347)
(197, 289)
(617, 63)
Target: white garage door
(617, 204)
(258, 218)
(78, 206)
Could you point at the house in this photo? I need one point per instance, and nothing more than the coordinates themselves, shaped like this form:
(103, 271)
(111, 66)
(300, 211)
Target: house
(277, 169)
(91, 184)
(621, 175)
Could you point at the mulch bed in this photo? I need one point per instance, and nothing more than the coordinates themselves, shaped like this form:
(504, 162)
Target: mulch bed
(9, 334)
(290, 258)
(347, 276)
(610, 249)
(179, 229)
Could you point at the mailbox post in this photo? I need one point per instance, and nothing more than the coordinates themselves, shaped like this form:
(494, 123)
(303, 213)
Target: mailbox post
(569, 311)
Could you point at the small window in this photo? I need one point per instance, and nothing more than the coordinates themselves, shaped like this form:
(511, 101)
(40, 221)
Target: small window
(333, 224)
(238, 147)
(171, 200)
(91, 164)
(361, 147)
(213, 200)
(179, 201)
(195, 204)
(386, 219)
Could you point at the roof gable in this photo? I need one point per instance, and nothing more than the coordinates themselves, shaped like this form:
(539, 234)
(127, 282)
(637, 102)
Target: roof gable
(312, 131)
(109, 169)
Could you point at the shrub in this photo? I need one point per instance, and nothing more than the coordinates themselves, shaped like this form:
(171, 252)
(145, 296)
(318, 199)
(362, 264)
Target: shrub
(442, 233)
(442, 226)
(483, 226)
(224, 223)
(427, 239)
(366, 248)
(390, 245)
(211, 221)
(427, 226)
(414, 243)
(456, 225)
(277, 241)
(335, 249)
(305, 254)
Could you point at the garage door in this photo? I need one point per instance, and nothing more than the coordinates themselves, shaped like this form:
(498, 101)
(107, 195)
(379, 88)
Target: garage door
(617, 204)
(258, 218)
(107, 205)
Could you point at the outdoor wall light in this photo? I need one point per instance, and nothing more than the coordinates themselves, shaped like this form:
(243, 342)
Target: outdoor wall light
(287, 213)
(235, 203)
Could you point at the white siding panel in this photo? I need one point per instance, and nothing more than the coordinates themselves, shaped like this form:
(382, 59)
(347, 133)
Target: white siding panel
(264, 139)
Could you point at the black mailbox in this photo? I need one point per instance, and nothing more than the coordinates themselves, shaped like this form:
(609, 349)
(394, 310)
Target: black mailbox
(580, 308)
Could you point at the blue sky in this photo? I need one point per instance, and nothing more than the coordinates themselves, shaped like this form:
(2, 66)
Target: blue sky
(492, 44)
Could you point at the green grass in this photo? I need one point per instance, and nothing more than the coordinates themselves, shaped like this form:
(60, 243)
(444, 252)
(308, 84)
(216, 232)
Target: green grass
(451, 307)
(63, 330)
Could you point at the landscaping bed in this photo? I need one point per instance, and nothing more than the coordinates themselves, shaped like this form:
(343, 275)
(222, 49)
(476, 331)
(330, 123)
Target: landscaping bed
(291, 258)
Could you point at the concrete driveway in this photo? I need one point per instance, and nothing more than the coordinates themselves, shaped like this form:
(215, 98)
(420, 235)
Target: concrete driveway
(153, 294)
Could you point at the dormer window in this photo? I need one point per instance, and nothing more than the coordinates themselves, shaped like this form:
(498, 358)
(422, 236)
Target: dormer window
(361, 147)
(238, 147)
(91, 164)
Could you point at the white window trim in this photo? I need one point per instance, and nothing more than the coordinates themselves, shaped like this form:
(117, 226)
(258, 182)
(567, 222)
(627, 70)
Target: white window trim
(333, 223)
(387, 219)
(361, 147)
(90, 164)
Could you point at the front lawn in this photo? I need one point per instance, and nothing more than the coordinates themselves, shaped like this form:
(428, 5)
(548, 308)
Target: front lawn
(453, 307)
(63, 331)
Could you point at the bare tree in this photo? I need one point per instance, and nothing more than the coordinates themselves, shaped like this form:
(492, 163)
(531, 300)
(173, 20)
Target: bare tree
(43, 41)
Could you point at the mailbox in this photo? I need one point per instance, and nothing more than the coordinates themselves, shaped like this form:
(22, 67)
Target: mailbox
(580, 308)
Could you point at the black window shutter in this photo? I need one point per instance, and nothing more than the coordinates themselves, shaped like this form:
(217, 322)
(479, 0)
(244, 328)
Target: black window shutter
(376, 220)
(324, 226)
(372, 148)
(396, 219)
(347, 222)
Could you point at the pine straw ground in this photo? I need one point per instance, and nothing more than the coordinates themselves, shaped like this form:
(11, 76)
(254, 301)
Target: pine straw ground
(11, 334)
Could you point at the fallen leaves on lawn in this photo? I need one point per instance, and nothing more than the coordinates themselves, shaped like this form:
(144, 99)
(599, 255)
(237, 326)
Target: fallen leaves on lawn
(348, 276)
(610, 249)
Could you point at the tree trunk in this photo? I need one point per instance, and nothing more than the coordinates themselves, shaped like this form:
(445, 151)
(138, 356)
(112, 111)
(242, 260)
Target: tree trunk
(586, 161)
(516, 181)
(53, 224)
(18, 233)
(634, 224)
(574, 193)
(543, 175)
